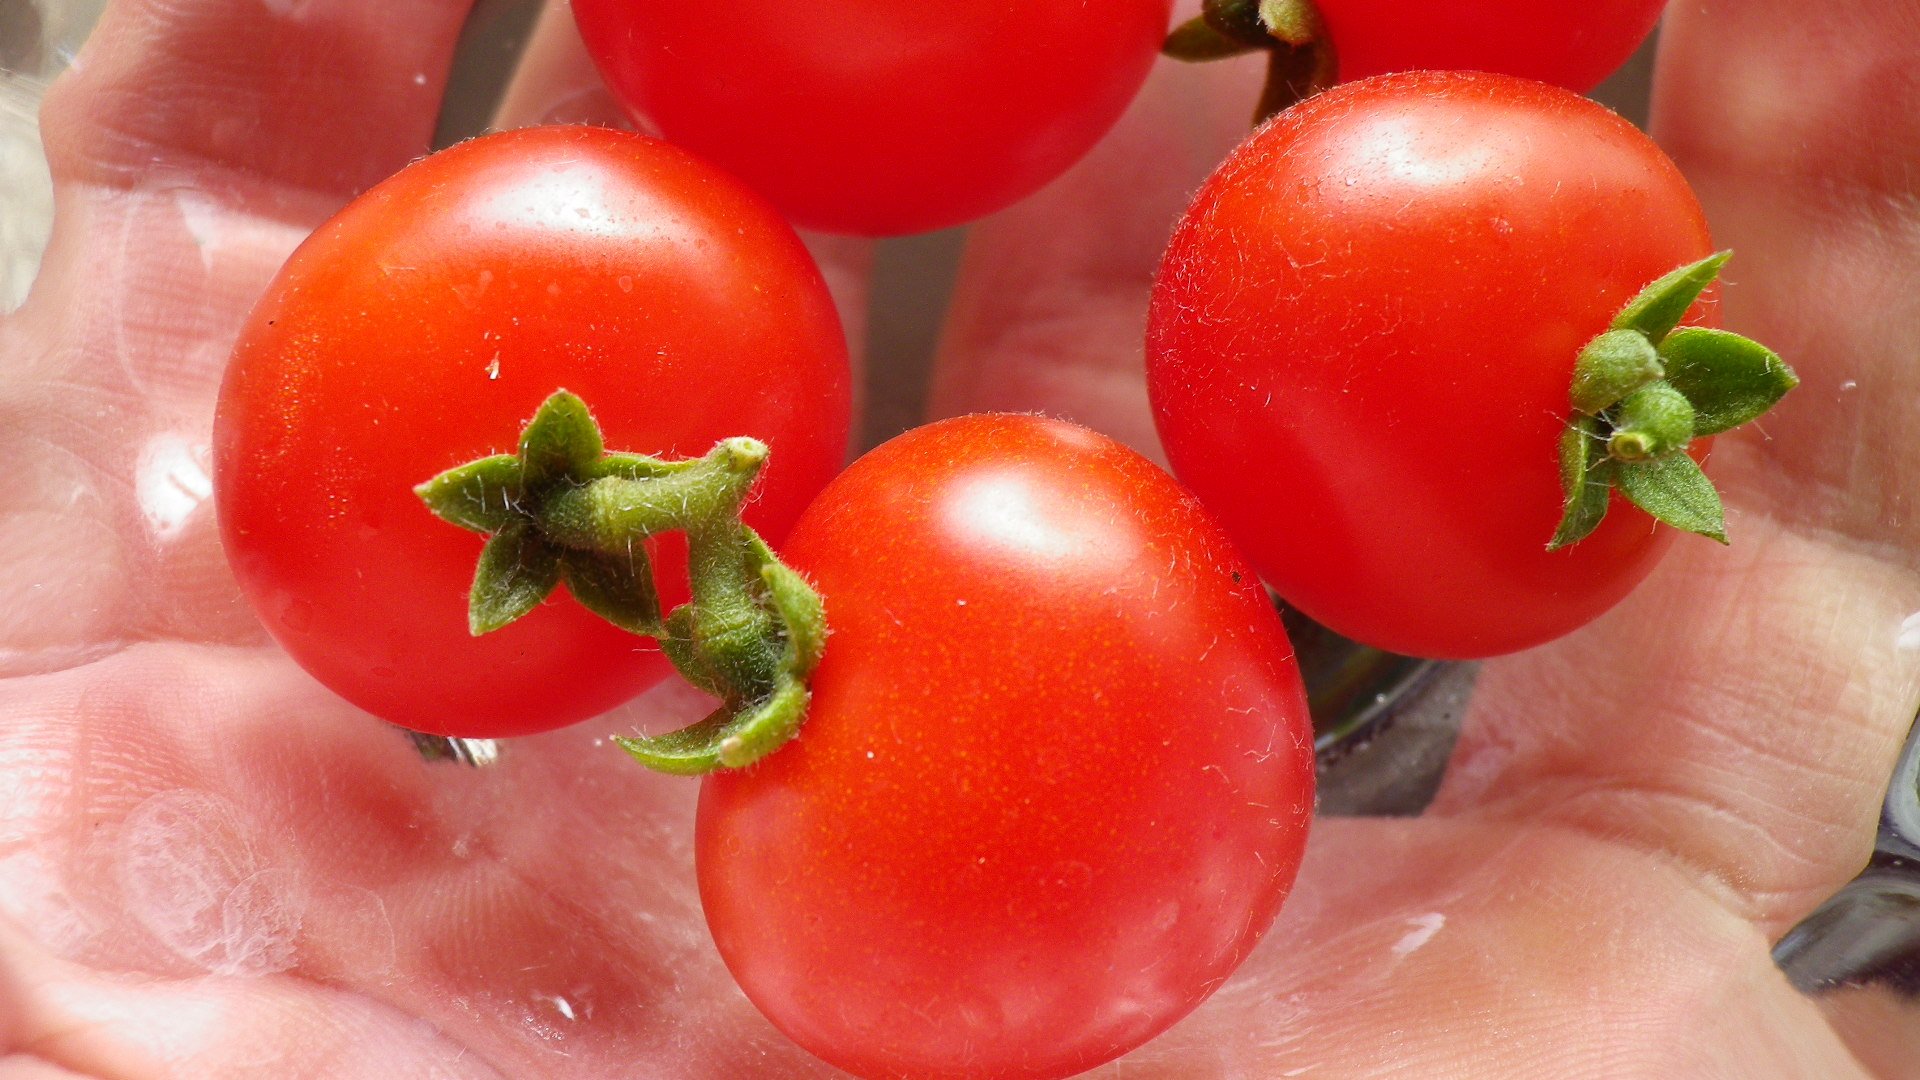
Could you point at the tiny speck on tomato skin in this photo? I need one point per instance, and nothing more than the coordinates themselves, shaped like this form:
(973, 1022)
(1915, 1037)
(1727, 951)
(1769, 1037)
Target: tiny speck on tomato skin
(1020, 837)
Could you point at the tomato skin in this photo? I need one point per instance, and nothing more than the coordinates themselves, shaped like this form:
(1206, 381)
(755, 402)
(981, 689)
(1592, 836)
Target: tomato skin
(420, 329)
(1361, 343)
(1567, 44)
(880, 117)
(1056, 776)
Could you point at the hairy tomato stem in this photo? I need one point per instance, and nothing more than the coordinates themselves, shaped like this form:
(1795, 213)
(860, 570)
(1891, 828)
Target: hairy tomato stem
(1300, 58)
(565, 510)
(1642, 392)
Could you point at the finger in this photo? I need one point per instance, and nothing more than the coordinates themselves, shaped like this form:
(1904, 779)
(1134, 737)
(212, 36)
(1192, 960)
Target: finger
(556, 83)
(1743, 710)
(82, 1023)
(1049, 310)
(192, 145)
(1454, 950)
(316, 96)
(1878, 1026)
(186, 167)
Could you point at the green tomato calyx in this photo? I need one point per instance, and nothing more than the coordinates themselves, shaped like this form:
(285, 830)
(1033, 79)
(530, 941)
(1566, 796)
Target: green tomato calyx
(1642, 392)
(566, 510)
(1300, 59)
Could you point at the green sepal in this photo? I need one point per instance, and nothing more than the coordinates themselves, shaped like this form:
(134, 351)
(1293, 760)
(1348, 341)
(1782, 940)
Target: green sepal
(517, 571)
(693, 750)
(767, 727)
(561, 440)
(1659, 307)
(1198, 40)
(1647, 410)
(635, 467)
(1294, 74)
(1653, 421)
(798, 605)
(1586, 483)
(480, 496)
(1300, 61)
(1728, 378)
(618, 588)
(1236, 19)
(565, 510)
(677, 643)
(1675, 491)
(725, 739)
(1612, 366)
(1223, 28)
(1296, 22)
(801, 614)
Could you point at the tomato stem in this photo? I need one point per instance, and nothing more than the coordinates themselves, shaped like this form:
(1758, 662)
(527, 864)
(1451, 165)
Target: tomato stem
(610, 513)
(565, 510)
(1300, 58)
(1642, 392)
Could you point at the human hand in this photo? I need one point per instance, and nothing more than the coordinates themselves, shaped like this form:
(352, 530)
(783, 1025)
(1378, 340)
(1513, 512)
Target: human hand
(211, 867)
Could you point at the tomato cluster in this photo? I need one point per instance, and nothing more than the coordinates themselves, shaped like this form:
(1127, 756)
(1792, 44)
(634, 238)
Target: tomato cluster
(1410, 344)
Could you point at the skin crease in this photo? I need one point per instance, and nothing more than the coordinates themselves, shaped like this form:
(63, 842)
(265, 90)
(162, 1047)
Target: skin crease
(902, 131)
(211, 867)
(1570, 45)
(679, 307)
(1361, 340)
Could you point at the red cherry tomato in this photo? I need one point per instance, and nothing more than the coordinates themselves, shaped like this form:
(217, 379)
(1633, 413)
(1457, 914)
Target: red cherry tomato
(421, 327)
(1574, 45)
(1056, 775)
(1362, 340)
(880, 117)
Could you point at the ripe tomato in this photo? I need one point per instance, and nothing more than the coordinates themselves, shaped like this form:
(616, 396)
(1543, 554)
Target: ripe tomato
(880, 117)
(1574, 45)
(1362, 340)
(419, 329)
(1055, 779)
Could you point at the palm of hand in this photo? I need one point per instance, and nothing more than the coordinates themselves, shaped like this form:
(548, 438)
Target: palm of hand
(211, 866)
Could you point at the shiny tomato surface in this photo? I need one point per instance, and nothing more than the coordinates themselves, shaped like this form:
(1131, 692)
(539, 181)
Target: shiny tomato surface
(1362, 341)
(420, 329)
(1056, 776)
(880, 117)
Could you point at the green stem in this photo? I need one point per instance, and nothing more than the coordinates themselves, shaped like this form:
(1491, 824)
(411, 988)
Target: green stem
(565, 510)
(1644, 390)
(610, 513)
(1300, 58)
(732, 629)
(1237, 19)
